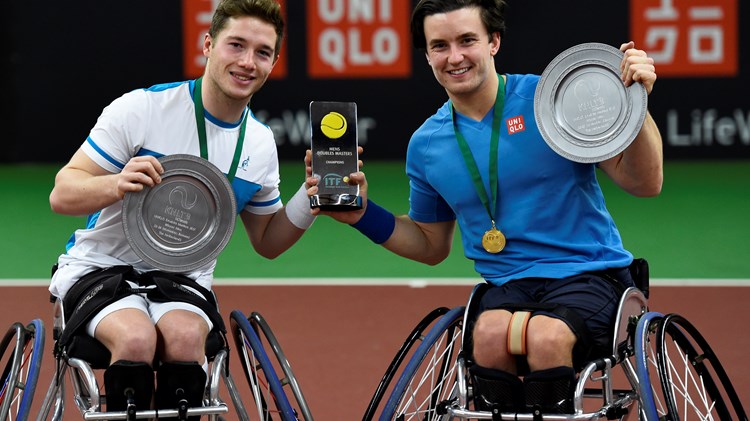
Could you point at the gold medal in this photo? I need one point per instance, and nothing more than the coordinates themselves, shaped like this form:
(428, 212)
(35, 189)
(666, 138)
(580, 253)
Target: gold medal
(493, 240)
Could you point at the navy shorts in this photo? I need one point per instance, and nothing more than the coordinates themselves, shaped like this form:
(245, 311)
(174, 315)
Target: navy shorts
(592, 296)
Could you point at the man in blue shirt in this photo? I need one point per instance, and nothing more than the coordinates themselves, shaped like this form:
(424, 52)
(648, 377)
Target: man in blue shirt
(534, 223)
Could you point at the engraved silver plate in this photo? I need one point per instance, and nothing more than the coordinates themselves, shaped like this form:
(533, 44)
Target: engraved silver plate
(185, 221)
(583, 110)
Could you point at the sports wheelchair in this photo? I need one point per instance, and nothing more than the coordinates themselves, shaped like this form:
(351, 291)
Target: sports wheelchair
(255, 342)
(660, 368)
(263, 362)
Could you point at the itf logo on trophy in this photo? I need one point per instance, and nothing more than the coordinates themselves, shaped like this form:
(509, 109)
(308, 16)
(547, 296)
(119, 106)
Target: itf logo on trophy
(334, 154)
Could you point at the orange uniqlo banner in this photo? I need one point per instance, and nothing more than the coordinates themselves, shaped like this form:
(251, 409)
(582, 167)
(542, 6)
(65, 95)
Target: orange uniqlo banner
(196, 19)
(358, 38)
(687, 38)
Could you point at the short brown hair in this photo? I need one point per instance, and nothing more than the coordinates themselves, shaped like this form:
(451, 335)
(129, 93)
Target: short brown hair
(266, 10)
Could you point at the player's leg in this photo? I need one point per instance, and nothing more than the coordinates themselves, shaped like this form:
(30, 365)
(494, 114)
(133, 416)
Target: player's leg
(181, 375)
(126, 329)
(494, 371)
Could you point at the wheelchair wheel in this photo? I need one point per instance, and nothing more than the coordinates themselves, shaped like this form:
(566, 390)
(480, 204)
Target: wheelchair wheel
(415, 335)
(268, 341)
(429, 378)
(651, 405)
(694, 383)
(270, 401)
(21, 353)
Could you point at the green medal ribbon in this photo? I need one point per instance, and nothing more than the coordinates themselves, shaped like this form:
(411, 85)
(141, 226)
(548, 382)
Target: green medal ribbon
(491, 202)
(200, 120)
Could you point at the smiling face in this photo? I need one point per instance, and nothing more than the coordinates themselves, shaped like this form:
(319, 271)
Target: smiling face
(461, 52)
(240, 58)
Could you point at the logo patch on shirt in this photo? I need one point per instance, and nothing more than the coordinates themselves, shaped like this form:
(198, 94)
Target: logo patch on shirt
(515, 124)
(245, 163)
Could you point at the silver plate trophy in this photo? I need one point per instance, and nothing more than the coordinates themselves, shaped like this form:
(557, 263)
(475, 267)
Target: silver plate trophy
(185, 221)
(583, 110)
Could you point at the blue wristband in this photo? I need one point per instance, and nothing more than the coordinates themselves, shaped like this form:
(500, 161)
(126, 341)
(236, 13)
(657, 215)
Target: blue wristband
(376, 223)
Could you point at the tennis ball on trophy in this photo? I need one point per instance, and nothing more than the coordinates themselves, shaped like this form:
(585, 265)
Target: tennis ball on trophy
(333, 125)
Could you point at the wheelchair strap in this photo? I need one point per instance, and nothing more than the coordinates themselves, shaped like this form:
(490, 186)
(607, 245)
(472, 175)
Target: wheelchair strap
(90, 294)
(569, 316)
(519, 321)
(172, 287)
(97, 289)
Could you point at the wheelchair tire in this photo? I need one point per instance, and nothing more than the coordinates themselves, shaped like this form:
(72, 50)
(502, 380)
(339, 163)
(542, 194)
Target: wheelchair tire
(22, 367)
(429, 378)
(694, 383)
(415, 335)
(269, 397)
(263, 330)
(646, 366)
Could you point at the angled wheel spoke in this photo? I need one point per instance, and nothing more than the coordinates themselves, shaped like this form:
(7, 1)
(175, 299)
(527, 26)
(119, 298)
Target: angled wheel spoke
(684, 379)
(429, 378)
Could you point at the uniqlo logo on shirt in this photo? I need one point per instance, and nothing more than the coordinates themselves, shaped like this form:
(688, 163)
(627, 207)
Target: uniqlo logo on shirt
(687, 38)
(515, 124)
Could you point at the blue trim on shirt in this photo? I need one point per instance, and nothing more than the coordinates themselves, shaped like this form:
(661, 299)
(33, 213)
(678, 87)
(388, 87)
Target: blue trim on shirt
(266, 203)
(216, 121)
(148, 152)
(244, 191)
(90, 223)
(104, 154)
(164, 86)
(252, 115)
(224, 124)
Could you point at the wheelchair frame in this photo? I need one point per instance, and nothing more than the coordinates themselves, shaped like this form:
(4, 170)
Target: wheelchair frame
(89, 399)
(670, 368)
(253, 338)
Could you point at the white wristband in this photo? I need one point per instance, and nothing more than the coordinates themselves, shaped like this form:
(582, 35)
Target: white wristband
(298, 209)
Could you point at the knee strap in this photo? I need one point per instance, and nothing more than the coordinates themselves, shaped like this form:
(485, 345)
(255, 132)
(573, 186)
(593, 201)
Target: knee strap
(129, 386)
(517, 326)
(180, 385)
(584, 342)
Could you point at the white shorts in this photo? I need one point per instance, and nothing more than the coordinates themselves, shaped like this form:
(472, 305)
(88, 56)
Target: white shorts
(153, 309)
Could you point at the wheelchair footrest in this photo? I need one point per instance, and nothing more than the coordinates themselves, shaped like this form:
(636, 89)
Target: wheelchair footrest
(129, 386)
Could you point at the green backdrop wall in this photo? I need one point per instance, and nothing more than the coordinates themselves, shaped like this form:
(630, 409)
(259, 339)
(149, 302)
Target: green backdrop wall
(699, 227)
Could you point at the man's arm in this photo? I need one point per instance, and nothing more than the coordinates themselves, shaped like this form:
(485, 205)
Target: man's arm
(639, 169)
(270, 235)
(428, 243)
(83, 187)
(425, 243)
